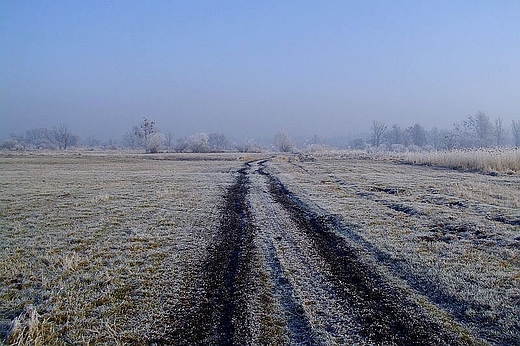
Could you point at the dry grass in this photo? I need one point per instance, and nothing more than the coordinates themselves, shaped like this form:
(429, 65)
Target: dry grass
(96, 249)
(453, 236)
(505, 160)
(102, 248)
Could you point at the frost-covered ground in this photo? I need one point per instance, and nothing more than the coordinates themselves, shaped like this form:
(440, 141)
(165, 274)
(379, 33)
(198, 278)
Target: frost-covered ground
(124, 248)
(452, 236)
(102, 245)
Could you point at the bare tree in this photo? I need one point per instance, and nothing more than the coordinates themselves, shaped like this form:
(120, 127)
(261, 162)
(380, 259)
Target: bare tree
(181, 145)
(417, 135)
(217, 141)
(198, 143)
(283, 142)
(515, 127)
(434, 137)
(168, 140)
(500, 132)
(39, 138)
(484, 129)
(130, 140)
(395, 135)
(147, 136)
(478, 131)
(449, 140)
(249, 146)
(358, 143)
(155, 142)
(378, 130)
(61, 136)
(92, 142)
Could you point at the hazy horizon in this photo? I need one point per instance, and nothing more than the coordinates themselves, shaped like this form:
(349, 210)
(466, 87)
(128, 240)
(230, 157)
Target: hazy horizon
(249, 69)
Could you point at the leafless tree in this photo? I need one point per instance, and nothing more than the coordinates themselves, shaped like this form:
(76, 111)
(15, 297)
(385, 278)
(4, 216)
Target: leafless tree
(168, 140)
(181, 145)
(283, 142)
(378, 130)
(217, 141)
(39, 138)
(198, 143)
(155, 142)
(478, 130)
(500, 132)
(417, 135)
(130, 140)
(515, 127)
(434, 137)
(249, 146)
(450, 140)
(9, 144)
(148, 138)
(61, 136)
(395, 135)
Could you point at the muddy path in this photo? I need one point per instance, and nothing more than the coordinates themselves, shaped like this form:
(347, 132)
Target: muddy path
(279, 271)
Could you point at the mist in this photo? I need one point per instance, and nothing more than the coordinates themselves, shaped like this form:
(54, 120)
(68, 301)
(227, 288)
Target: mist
(251, 69)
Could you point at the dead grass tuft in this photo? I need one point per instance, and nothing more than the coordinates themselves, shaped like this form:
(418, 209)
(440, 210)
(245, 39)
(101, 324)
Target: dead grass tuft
(29, 328)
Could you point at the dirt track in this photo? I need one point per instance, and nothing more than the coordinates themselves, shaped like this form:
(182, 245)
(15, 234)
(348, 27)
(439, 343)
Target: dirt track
(279, 271)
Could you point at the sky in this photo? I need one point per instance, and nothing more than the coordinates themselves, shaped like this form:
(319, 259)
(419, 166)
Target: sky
(252, 68)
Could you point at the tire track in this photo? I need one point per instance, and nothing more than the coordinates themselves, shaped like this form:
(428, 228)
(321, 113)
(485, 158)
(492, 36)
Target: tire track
(222, 287)
(386, 316)
(279, 272)
(298, 325)
(308, 303)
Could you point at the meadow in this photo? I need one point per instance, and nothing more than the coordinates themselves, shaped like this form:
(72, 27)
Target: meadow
(114, 248)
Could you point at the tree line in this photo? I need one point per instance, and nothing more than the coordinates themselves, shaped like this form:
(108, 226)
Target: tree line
(58, 137)
(476, 131)
(473, 132)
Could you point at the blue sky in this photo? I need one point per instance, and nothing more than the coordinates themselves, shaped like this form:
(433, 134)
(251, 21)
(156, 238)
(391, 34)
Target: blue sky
(251, 68)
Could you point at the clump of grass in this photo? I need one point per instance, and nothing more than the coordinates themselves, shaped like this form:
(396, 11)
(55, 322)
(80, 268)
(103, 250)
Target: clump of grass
(30, 329)
(503, 160)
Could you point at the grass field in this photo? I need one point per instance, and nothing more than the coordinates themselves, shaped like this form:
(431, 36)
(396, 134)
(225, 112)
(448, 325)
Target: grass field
(452, 235)
(91, 242)
(106, 248)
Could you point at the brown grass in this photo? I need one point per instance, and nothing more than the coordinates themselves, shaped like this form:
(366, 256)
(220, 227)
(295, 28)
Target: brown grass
(504, 160)
(454, 232)
(90, 242)
(101, 248)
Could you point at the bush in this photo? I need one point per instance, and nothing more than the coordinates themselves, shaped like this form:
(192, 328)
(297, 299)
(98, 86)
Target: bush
(10, 144)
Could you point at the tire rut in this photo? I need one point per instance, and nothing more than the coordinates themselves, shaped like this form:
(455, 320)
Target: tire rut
(220, 296)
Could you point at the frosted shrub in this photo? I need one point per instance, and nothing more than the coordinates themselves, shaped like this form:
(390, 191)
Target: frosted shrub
(399, 148)
(154, 142)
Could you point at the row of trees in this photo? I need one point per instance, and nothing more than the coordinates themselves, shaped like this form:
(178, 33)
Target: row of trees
(474, 132)
(147, 137)
(58, 137)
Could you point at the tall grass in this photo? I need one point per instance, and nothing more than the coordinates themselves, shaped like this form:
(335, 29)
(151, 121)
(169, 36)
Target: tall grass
(504, 160)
